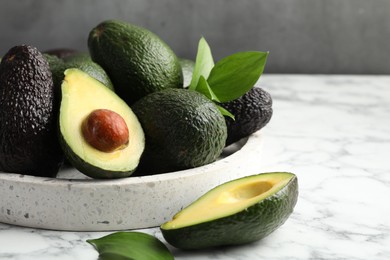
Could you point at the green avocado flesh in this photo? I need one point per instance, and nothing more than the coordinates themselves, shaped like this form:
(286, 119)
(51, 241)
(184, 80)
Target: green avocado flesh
(82, 94)
(237, 212)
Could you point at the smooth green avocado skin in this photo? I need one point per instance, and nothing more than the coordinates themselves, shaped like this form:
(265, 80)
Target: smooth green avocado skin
(183, 129)
(247, 226)
(252, 112)
(137, 61)
(28, 114)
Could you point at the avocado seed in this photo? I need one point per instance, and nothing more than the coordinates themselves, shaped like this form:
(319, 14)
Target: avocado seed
(105, 130)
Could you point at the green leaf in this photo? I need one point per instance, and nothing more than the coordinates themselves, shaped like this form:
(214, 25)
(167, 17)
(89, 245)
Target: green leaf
(204, 88)
(203, 64)
(225, 112)
(236, 74)
(130, 245)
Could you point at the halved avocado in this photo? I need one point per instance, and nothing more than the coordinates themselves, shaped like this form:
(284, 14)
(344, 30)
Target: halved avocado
(237, 212)
(82, 97)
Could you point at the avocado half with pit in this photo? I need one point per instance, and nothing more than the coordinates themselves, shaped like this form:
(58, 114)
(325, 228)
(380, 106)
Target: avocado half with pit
(99, 133)
(237, 212)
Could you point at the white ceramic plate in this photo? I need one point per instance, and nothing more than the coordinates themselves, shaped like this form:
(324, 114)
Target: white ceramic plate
(72, 202)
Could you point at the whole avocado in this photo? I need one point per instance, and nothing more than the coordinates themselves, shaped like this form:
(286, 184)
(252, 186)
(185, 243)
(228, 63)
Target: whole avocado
(28, 116)
(252, 111)
(137, 61)
(183, 129)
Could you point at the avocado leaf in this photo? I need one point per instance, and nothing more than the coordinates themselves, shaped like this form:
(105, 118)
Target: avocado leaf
(236, 74)
(204, 88)
(203, 64)
(225, 112)
(130, 245)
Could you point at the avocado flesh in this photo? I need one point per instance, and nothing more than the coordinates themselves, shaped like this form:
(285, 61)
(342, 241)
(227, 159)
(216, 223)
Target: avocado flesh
(28, 114)
(237, 212)
(137, 61)
(82, 94)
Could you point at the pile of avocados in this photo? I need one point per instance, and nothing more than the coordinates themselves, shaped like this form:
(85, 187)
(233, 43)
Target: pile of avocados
(124, 109)
(121, 109)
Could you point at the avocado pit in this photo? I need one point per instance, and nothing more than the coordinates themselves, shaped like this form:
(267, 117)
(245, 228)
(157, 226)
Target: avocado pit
(105, 130)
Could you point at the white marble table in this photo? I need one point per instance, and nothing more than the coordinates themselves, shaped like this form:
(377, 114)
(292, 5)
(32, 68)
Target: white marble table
(334, 133)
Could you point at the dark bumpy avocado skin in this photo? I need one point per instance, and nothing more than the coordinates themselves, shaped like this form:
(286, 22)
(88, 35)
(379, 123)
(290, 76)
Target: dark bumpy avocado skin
(137, 61)
(252, 112)
(183, 129)
(28, 117)
(251, 228)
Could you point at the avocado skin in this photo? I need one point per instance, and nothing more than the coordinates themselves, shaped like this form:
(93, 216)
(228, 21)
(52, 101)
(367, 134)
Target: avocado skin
(57, 68)
(82, 61)
(183, 129)
(28, 115)
(240, 228)
(137, 61)
(61, 52)
(252, 111)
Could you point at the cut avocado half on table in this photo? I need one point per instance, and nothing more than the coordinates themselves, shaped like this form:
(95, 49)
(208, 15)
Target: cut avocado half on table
(237, 212)
(99, 133)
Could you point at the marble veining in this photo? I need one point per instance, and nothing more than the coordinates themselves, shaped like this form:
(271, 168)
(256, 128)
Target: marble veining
(333, 132)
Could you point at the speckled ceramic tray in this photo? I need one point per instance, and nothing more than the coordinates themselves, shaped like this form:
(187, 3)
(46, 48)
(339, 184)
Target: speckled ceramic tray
(72, 202)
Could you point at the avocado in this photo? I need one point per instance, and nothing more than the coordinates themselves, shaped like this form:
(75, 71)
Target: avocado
(28, 116)
(61, 52)
(57, 67)
(187, 67)
(236, 212)
(137, 61)
(80, 61)
(99, 133)
(85, 63)
(252, 111)
(79, 56)
(183, 129)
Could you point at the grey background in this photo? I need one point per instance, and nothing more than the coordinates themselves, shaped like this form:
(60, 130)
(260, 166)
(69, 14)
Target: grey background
(303, 36)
